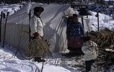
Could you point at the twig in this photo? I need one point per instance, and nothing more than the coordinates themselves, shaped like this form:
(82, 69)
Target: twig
(42, 67)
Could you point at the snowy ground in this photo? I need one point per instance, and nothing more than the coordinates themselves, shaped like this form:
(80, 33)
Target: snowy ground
(10, 63)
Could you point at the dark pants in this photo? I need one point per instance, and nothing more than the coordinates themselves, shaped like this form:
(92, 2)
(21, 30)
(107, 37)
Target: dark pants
(75, 44)
(76, 50)
(88, 64)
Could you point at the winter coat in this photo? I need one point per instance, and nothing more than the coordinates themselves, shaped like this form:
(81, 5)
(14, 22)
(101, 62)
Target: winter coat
(36, 25)
(74, 29)
(90, 50)
(37, 48)
(74, 33)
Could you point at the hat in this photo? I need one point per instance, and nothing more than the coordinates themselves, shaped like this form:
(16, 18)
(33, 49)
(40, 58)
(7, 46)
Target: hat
(84, 12)
(36, 34)
(86, 38)
(38, 9)
(75, 15)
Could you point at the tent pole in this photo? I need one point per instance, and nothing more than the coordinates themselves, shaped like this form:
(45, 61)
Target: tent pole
(98, 13)
(1, 25)
(29, 27)
(4, 34)
(29, 15)
(82, 21)
(98, 20)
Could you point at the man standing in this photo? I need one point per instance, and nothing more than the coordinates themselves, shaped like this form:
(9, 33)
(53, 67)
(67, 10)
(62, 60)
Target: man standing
(74, 33)
(36, 24)
(37, 48)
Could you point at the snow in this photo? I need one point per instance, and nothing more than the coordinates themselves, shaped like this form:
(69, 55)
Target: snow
(11, 8)
(105, 21)
(9, 62)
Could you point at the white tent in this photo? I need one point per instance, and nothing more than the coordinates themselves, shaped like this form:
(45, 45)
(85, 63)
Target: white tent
(17, 26)
(54, 27)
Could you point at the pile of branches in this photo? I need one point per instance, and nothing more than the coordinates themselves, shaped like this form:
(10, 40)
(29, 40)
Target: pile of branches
(104, 38)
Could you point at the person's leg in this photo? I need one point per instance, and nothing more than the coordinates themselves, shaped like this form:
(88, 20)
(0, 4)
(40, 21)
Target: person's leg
(79, 51)
(92, 61)
(88, 65)
(39, 59)
(70, 48)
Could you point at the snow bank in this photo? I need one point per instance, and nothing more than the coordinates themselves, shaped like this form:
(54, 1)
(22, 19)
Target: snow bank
(105, 21)
(10, 63)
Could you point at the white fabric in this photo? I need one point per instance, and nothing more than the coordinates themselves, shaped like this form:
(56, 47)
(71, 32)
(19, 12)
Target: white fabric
(29, 7)
(90, 50)
(36, 25)
(69, 12)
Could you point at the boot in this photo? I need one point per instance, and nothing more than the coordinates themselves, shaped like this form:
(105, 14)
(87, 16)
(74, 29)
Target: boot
(39, 59)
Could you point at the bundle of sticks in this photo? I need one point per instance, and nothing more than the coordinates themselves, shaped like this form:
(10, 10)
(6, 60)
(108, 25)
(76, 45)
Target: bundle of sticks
(104, 38)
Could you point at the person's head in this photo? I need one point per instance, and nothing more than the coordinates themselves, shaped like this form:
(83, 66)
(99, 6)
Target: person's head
(86, 38)
(38, 10)
(75, 18)
(72, 5)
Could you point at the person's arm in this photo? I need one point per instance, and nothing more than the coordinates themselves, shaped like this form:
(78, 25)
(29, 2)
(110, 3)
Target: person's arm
(33, 26)
(40, 27)
(67, 33)
(68, 28)
(86, 49)
(96, 47)
(82, 30)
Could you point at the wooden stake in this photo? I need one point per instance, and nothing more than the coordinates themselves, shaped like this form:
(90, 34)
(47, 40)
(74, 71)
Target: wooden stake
(98, 20)
(4, 34)
(1, 24)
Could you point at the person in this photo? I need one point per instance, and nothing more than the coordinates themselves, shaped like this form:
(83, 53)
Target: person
(74, 34)
(90, 50)
(36, 24)
(37, 48)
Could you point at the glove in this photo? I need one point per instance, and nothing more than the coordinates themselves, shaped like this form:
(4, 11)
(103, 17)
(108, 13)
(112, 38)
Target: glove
(35, 35)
